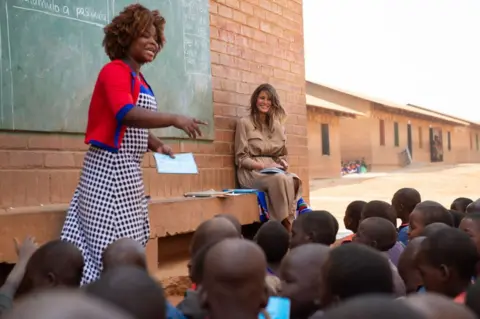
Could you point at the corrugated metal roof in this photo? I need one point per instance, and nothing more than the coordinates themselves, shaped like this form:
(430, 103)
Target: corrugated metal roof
(404, 107)
(317, 102)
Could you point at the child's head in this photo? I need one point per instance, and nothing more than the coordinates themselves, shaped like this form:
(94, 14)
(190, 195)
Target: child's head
(377, 233)
(64, 304)
(471, 226)
(124, 252)
(301, 278)
(460, 204)
(274, 240)
(318, 227)
(404, 201)
(457, 217)
(234, 279)
(208, 233)
(447, 261)
(233, 219)
(407, 268)
(472, 298)
(353, 270)
(353, 214)
(378, 208)
(433, 228)
(372, 307)
(55, 264)
(473, 207)
(435, 306)
(426, 213)
(132, 290)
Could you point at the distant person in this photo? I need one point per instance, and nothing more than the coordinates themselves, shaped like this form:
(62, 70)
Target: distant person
(109, 202)
(260, 143)
(351, 220)
(460, 204)
(404, 201)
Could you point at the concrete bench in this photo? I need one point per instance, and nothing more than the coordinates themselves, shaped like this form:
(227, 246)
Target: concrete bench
(168, 217)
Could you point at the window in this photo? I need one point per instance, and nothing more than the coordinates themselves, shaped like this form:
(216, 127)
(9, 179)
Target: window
(420, 138)
(471, 141)
(382, 132)
(476, 140)
(449, 141)
(325, 140)
(396, 137)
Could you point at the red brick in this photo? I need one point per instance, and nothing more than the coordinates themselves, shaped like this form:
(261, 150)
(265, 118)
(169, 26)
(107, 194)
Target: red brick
(233, 3)
(59, 160)
(246, 7)
(240, 17)
(13, 140)
(225, 11)
(25, 159)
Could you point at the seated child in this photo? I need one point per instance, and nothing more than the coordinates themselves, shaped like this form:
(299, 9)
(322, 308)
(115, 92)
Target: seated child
(460, 204)
(124, 252)
(404, 201)
(472, 298)
(64, 304)
(407, 268)
(426, 213)
(435, 306)
(457, 217)
(233, 219)
(378, 208)
(432, 228)
(471, 226)
(301, 279)
(371, 307)
(132, 290)
(234, 280)
(473, 207)
(380, 234)
(353, 214)
(353, 270)
(447, 261)
(274, 240)
(319, 227)
(55, 264)
(207, 234)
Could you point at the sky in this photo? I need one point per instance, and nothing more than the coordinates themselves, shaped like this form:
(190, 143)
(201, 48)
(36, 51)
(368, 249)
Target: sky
(423, 52)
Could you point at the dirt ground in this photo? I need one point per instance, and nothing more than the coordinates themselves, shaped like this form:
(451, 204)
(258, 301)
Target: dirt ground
(440, 183)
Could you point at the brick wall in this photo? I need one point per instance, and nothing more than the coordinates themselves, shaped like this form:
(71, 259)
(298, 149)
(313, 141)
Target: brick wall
(252, 41)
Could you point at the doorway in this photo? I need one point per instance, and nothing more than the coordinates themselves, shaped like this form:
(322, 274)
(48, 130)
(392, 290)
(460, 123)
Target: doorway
(409, 139)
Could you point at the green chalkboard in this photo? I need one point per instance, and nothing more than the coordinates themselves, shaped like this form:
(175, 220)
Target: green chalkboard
(51, 52)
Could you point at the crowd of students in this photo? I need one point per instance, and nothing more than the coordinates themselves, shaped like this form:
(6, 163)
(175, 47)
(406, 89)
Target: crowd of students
(426, 268)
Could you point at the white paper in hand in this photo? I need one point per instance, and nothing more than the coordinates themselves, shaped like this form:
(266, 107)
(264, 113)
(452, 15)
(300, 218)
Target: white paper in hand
(181, 164)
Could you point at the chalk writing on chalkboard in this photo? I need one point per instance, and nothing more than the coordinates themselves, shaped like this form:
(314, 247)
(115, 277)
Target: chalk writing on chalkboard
(87, 14)
(196, 37)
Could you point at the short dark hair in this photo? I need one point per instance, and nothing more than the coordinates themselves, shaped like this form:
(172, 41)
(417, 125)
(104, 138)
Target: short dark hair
(355, 270)
(460, 204)
(378, 208)
(473, 295)
(132, 290)
(354, 212)
(433, 212)
(233, 219)
(320, 225)
(274, 240)
(372, 307)
(433, 228)
(453, 248)
(456, 217)
(409, 198)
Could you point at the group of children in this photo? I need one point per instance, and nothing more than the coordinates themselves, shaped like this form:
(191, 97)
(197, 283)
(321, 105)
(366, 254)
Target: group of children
(425, 268)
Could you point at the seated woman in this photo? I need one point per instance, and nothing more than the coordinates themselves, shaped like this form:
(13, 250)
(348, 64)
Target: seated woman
(259, 144)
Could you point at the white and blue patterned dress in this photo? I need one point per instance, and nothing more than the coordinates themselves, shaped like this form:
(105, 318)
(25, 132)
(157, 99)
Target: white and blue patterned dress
(109, 202)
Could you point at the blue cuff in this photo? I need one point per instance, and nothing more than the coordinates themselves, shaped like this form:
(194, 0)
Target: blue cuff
(123, 111)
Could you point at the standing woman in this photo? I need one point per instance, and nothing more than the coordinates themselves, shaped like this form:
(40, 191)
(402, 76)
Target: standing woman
(109, 202)
(260, 143)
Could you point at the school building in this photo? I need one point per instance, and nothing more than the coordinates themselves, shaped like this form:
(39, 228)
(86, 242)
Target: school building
(251, 42)
(384, 130)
